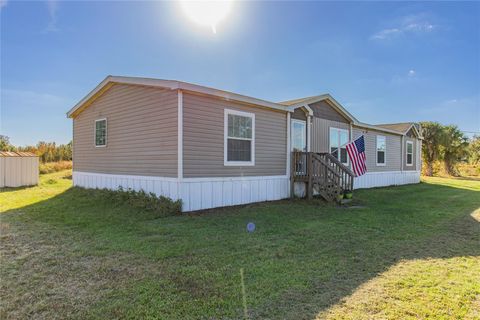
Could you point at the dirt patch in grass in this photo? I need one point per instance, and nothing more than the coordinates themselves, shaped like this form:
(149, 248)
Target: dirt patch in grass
(42, 277)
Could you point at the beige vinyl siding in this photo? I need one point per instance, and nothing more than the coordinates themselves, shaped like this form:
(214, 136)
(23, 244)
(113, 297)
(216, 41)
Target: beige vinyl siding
(322, 109)
(203, 136)
(299, 114)
(393, 152)
(141, 133)
(321, 133)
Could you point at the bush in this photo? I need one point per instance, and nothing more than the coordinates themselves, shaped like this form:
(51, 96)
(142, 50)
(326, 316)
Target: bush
(464, 170)
(51, 167)
(469, 170)
(159, 206)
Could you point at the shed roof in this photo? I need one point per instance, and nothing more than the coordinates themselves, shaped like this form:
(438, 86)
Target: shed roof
(17, 154)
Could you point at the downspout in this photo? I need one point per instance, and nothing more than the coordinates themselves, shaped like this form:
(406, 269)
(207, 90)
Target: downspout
(289, 154)
(309, 113)
(180, 136)
(309, 133)
(402, 155)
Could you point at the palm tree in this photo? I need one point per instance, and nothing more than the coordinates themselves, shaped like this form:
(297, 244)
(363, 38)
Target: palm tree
(455, 148)
(433, 137)
(474, 150)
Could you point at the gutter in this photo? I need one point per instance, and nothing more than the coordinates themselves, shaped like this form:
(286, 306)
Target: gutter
(173, 85)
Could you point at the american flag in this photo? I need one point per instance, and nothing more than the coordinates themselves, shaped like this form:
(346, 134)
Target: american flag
(356, 152)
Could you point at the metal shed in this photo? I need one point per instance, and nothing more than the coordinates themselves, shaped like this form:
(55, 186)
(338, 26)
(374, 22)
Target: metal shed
(18, 169)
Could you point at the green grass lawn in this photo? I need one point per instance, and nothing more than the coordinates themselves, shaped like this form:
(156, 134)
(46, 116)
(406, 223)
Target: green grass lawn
(399, 252)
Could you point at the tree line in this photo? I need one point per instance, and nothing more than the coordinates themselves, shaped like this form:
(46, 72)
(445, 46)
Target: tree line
(449, 145)
(47, 151)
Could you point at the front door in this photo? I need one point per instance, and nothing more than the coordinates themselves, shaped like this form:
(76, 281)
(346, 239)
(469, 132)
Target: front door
(299, 143)
(299, 135)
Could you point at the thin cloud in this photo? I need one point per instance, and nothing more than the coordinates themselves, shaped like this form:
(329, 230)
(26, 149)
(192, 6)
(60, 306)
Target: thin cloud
(386, 33)
(408, 25)
(3, 3)
(33, 100)
(52, 6)
(409, 76)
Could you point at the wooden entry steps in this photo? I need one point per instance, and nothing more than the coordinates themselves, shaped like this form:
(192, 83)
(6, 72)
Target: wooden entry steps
(321, 172)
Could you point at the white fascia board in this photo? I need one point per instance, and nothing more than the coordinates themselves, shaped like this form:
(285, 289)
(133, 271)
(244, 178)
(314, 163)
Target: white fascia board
(369, 126)
(88, 96)
(335, 103)
(419, 136)
(309, 110)
(175, 85)
(231, 96)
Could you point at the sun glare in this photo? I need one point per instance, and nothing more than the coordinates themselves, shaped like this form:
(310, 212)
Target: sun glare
(207, 13)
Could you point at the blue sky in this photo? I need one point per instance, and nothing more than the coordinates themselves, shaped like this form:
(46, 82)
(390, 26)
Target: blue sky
(384, 61)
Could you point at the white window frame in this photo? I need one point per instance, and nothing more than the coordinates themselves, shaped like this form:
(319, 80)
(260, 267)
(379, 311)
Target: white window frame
(303, 122)
(225, 138)
(379, 164)
(406, 154)
(330, 143)
(95, 133)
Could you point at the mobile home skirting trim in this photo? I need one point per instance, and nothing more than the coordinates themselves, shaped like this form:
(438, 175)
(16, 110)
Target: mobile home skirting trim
(386, 178)
(196, 193)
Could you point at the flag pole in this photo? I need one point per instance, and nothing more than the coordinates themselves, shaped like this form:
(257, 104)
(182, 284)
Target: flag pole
(338, 148)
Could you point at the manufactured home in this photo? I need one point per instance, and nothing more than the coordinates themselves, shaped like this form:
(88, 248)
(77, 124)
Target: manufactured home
(213, 148)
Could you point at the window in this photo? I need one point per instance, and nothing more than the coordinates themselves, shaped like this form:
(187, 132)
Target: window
(409, 153)
(101, 133)
(239, 141)
(381, 150)
(299, 134)
(338, 144)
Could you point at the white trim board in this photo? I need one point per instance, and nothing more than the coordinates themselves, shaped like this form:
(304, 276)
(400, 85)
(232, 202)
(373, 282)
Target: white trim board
(196, 193)
(180, 135)
(288, 144)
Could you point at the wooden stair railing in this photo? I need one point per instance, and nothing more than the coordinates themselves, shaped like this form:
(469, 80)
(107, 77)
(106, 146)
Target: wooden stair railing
(322, 173)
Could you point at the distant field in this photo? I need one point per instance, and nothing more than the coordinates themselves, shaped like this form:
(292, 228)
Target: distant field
(51, 167)
(408, 252)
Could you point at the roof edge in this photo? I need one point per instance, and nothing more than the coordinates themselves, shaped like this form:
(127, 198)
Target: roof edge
(322, 97)
(373, 127)
(172, 85)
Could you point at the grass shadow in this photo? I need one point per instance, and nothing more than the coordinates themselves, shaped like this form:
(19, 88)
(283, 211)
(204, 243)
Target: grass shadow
(12, 189)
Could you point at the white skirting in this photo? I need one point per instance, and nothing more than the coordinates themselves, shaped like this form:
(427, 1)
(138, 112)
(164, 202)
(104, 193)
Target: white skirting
(196, 193)
(388, 178)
